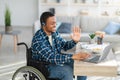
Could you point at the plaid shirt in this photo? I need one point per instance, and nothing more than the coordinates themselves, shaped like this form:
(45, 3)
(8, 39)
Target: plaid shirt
(42, 50)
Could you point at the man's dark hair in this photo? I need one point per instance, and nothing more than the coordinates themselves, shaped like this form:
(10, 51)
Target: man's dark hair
(44, 17)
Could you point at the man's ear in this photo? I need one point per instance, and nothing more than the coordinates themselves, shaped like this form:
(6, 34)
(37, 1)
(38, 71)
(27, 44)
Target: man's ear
(43, 24)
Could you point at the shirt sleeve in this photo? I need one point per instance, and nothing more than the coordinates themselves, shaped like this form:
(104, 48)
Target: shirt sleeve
(65, 45)
(48, 54)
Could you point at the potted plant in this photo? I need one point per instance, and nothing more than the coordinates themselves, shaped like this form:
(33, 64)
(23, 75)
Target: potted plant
(92, 36)
(8, 27)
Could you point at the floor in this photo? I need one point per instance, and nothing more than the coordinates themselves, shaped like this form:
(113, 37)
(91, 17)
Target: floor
(10, 61)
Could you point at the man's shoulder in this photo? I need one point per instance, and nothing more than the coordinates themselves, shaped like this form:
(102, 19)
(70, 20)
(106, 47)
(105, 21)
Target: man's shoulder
(38, 32)
(38, 35)
(56, 34)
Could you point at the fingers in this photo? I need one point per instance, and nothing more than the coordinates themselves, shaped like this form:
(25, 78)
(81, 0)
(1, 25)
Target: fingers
(80, 56)
(87, 56)
(76, 29)
(83, 56)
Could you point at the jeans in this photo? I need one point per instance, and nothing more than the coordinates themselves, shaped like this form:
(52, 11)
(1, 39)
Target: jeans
(63, 72)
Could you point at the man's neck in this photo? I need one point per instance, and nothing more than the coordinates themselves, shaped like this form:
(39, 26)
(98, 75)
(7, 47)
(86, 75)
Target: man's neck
(48, 33)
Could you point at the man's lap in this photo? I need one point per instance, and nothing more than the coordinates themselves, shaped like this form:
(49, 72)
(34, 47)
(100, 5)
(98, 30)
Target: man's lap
(58, 71)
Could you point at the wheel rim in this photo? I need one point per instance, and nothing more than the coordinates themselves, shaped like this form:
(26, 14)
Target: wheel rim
(28, 73)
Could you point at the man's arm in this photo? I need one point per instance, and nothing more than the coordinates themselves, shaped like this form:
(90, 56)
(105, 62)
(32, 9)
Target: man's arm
(48, 55)
(65, 45)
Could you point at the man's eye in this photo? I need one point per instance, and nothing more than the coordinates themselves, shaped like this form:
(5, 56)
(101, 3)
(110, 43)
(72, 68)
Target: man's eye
(53, 23)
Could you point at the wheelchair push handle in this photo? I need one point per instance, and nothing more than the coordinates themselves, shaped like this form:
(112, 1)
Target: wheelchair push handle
(23, 43)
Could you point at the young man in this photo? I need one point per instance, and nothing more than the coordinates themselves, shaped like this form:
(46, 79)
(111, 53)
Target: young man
(47, 45)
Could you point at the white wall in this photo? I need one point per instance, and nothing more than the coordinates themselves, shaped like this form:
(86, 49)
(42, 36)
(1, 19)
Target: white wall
(23, 12)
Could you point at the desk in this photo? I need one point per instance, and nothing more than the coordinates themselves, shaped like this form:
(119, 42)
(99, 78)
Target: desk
(106, 68)
(15, 36)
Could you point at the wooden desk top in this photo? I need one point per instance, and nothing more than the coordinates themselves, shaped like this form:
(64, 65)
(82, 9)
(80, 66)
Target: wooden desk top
(108, 68)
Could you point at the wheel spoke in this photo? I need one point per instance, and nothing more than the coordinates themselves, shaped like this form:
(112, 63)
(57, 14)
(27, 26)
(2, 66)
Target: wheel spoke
(28, 73)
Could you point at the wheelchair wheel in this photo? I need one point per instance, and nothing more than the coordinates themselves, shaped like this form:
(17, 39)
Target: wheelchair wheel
(28, 73)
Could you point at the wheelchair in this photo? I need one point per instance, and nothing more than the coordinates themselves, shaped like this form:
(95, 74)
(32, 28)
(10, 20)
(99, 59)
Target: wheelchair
(34, 70)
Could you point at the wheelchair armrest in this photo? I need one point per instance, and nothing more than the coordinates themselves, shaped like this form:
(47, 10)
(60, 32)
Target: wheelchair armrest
(23, 43)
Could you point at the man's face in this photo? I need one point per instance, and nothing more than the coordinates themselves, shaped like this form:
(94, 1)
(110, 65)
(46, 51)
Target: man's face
(50, 25)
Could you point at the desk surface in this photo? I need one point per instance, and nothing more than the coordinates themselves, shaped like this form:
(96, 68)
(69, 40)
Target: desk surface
(105, 68)
(108, 68)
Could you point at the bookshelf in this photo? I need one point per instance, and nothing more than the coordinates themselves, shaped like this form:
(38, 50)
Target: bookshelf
(75, 7)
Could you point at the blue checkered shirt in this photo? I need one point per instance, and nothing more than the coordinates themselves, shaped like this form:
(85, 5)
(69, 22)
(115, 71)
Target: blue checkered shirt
(42, 50)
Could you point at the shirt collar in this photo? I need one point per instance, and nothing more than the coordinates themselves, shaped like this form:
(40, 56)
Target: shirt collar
(45, 35)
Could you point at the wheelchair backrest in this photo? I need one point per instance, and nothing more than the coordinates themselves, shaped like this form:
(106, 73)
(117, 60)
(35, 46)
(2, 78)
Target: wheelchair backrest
(40, 65)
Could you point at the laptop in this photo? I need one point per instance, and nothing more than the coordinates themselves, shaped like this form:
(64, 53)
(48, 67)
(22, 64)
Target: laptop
(96, 58)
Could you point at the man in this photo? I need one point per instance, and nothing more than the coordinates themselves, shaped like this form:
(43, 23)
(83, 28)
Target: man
(47, 45)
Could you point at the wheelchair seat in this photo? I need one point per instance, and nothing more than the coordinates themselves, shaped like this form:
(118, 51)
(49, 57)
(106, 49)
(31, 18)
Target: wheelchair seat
(34, 67)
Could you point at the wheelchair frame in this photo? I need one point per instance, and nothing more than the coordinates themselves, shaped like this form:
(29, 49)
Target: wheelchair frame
(34, 68)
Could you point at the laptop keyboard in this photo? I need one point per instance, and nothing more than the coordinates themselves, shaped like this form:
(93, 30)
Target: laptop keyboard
(93, 59)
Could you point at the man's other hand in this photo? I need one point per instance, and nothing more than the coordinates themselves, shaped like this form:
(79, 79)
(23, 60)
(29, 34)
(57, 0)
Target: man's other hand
(80, 56)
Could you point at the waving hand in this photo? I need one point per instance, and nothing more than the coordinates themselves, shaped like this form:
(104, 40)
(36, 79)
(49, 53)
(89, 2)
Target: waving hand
(76, 34)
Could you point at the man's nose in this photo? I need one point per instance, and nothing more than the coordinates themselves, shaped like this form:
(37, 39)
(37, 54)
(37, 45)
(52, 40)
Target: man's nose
(55, 25)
